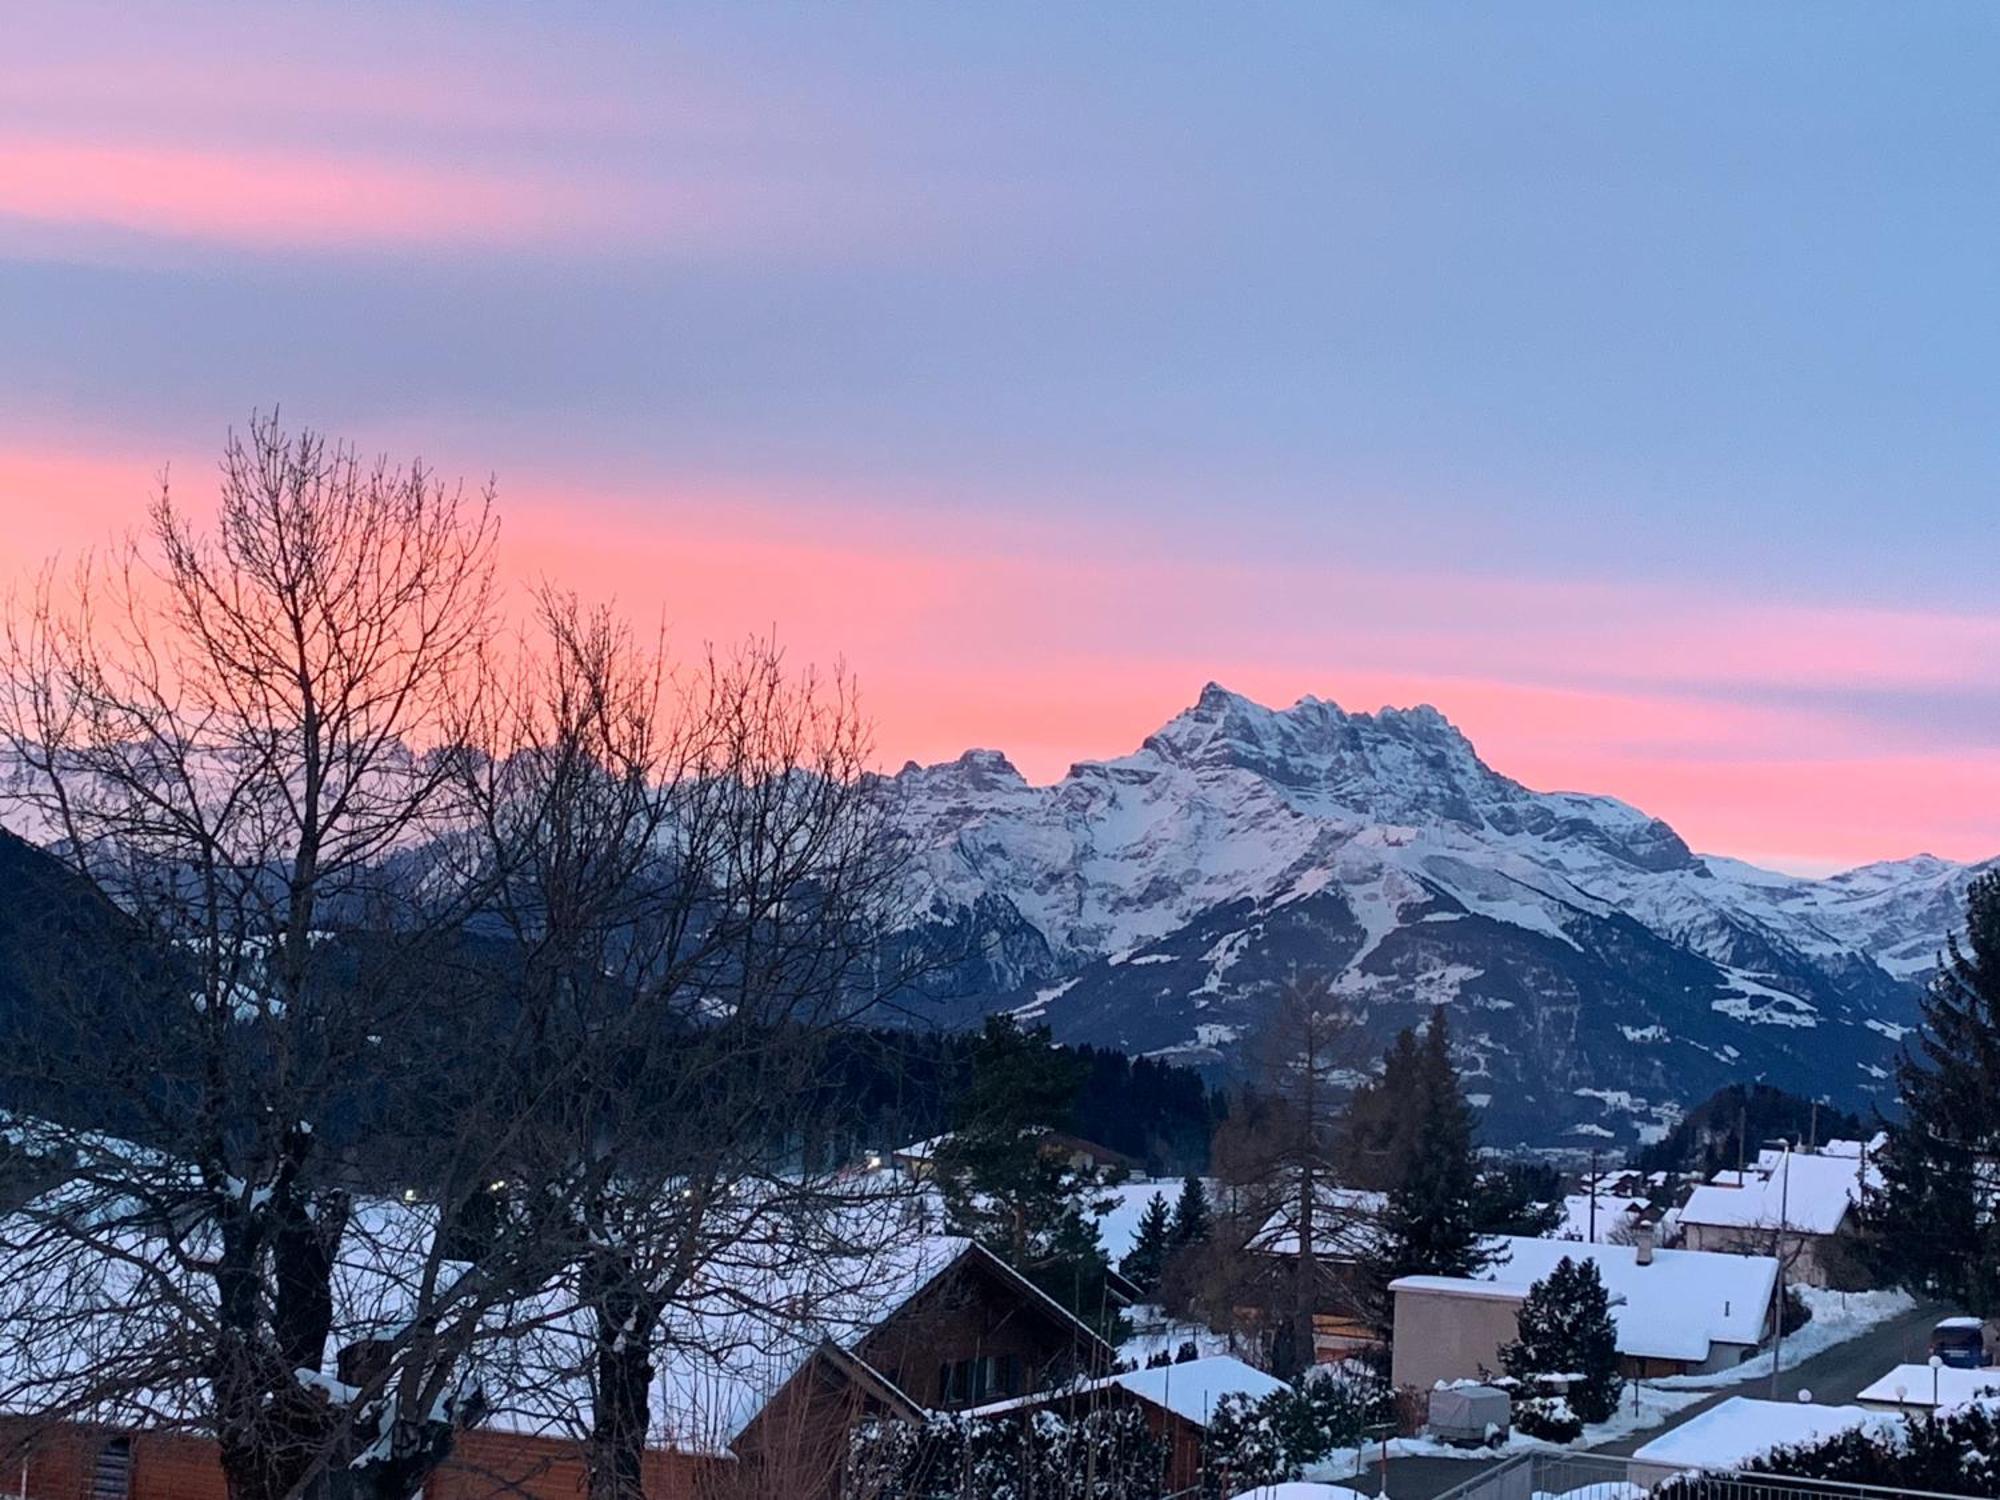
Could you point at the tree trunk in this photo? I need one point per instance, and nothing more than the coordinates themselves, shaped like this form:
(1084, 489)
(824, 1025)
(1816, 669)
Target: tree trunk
(621, 1414)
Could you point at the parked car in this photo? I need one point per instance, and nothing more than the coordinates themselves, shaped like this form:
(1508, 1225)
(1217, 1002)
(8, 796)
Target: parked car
(1962, 1343)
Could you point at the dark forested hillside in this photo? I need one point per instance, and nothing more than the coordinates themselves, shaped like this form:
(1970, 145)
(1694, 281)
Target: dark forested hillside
(1731, 1124)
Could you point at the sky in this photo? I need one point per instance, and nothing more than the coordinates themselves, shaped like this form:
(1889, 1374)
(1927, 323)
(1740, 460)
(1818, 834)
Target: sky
(1620, 380)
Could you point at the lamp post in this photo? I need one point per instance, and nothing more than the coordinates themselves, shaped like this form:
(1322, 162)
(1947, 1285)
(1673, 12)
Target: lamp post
(1937, 1366)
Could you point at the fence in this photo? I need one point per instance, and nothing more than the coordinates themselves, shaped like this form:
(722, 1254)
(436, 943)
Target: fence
(1585, 1476)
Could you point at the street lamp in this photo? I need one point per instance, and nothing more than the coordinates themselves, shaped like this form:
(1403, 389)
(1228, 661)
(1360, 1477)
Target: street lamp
(1937, 1364)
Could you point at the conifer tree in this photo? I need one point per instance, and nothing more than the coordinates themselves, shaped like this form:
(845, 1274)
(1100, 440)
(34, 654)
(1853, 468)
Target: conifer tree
(1936, 1220)
(1025, 1203)
(1191, 1215)
(1148, 1256)
(1566, 1329)
(1430, 1222)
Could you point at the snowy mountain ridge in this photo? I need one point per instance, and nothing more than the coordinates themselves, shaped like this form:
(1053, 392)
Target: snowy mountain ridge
(1148, 901)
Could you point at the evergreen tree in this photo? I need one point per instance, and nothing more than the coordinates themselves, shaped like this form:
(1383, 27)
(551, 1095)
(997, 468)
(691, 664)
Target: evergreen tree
(1191, 1215)
(1377, 1133)
(1430, 1224)
(1936, 1226)
(1566, 1329)
(1148, 1257)
(1001, 1187)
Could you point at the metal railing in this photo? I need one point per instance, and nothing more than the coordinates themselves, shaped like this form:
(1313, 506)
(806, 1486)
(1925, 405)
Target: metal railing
(1590, 1476)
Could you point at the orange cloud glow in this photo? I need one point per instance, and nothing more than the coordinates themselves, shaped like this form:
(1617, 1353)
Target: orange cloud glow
(1721, 715)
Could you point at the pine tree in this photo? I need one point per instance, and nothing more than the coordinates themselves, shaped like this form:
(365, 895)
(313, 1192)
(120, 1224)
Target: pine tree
(1377, 1132)
(1191, 1215)
(1937, 1229)
(1001, 1187)
(1566, 1329)
(1430, 1223)
(1148, 1256)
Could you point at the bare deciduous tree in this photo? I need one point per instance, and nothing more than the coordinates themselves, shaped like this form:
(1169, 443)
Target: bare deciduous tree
(693, 870)
(224, 731)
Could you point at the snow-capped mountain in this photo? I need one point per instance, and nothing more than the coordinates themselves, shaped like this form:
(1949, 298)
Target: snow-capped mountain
(1599, 974)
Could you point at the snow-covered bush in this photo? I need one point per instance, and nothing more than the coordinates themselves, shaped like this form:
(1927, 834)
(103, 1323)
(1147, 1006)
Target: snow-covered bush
(1273, 1439)
(1109, 1454)
(1548, 1417)
(1957, 1453)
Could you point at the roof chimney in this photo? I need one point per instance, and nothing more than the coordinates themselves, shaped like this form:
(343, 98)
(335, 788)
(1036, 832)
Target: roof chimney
(1642, 1242)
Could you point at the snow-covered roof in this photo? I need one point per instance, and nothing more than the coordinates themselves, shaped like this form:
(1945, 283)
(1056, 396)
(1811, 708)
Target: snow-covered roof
(1190, 1390)
(1194, 1389)
(1920, 1385)
(1462, 1286)
(1801, 1192)
(1740, 1429)
(1674, 1308)
(726, 1354)
(73, 1310)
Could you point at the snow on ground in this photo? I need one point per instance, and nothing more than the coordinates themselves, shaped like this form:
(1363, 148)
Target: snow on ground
(1837, 1317)
(1300, 1490)
(1741, 1429)
(1643, 1408)
(1153, 1332)
(1119, 1226)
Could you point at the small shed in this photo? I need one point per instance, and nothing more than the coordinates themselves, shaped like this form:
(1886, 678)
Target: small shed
(1470, 1413)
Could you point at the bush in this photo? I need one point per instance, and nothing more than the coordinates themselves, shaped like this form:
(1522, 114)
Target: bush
(1549, 1417)
(1275, 1439)
(1109, 1454)
(1957, 1453)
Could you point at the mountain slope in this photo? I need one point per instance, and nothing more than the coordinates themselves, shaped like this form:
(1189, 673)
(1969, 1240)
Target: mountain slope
(1600, 973)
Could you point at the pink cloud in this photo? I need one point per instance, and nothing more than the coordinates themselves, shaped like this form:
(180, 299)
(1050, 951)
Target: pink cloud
(1058, 643)
(271, 199)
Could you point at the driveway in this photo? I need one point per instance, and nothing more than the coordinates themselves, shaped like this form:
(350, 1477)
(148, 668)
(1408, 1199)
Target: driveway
(1834, 1376)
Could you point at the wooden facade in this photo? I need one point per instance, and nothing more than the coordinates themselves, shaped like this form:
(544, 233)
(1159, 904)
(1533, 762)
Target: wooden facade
(76, 1462)
(971, 1331)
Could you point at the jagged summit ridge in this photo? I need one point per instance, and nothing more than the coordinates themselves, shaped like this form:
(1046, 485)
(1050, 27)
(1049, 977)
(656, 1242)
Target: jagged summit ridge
(1154, 900)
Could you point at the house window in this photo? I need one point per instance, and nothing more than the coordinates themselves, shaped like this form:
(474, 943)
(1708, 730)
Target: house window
(111, 1477)
(987, 1377)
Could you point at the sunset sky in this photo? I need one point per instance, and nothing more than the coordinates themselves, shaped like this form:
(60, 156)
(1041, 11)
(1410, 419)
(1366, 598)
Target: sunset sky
(1628, 386)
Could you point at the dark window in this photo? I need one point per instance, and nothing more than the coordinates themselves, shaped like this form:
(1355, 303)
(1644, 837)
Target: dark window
(111, 1478)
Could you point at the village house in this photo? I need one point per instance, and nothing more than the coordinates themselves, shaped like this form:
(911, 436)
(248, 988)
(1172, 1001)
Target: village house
(1801, 1206)
(755, 1397)
(961, 1332)
(1677, 1312)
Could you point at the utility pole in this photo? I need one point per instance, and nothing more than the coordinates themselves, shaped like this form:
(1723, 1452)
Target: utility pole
(1593, 1195)
(1784, 1205)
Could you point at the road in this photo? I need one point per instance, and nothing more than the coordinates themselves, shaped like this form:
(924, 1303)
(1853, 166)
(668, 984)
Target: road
(1833, 1376)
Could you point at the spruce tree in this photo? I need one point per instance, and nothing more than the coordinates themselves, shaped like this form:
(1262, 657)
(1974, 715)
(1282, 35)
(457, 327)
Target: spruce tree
(1937, 1231)
(1191, 1215)
(1566, 1329)
(1430, 1222)
(1001, 1187)
(1377, 1131)
(1148, 1257)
